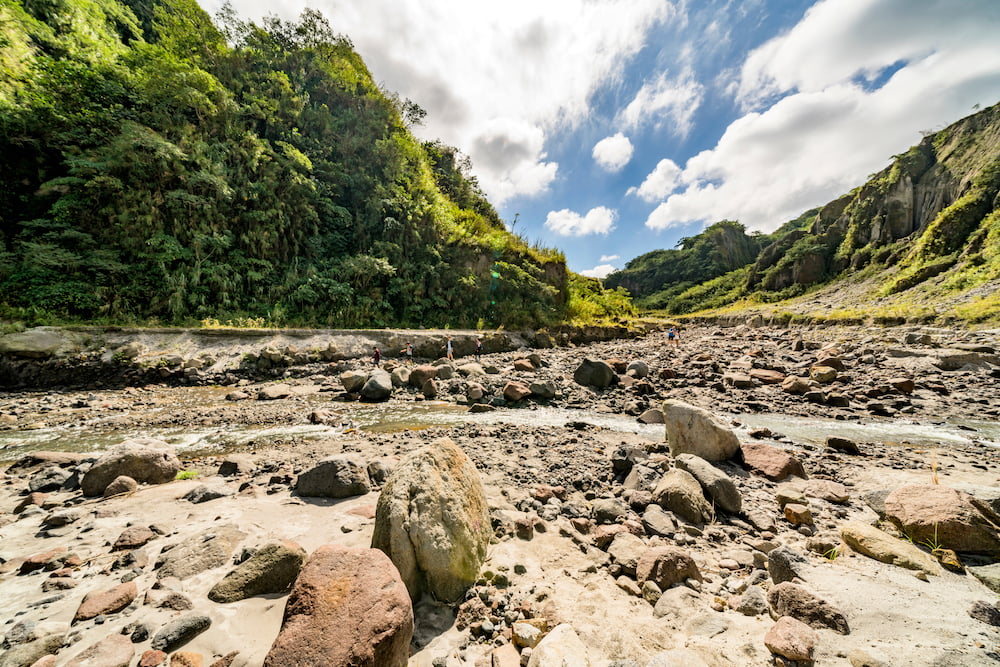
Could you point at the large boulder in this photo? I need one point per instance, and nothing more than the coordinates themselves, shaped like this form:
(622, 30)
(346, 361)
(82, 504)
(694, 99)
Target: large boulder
(771, 462)
(559, 648)
(792, 639)
(691, 430)
(788, 599)
(433, 521)
(339, 476)
(679, 492)
(115, 650)
(666, 566)
(348, 607)
(353, 381)
(597, 374)
(143, 459)
(37, 343)
(421, 374)
(200, 552)
(936, 516)
(272, 569)
(378, 387)
(876, 544)
(717, 484)
(98, 603)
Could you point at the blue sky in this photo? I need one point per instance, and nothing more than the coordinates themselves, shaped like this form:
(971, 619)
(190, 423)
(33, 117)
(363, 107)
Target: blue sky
(609, 128)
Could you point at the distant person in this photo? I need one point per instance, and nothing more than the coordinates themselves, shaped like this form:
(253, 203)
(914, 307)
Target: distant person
(408, 351)
(376, 356)
(449, 349)
(479, 347)
(673, 336)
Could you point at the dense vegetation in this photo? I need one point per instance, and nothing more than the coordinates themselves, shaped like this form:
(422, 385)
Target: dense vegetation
(157, 167)
(920, 239)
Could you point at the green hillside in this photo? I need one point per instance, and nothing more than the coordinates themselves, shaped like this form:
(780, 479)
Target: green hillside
(920, 240)
(160, 168)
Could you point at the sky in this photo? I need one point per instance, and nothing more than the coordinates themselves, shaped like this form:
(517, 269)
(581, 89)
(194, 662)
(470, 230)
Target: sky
(610, 128)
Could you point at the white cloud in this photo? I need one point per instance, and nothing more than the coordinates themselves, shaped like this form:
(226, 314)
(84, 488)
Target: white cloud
(660, 182)
(613, 153)
(600, 271)
(491, 74)
(665, 102)
(833, 128)
(609, 258)
(600, 220)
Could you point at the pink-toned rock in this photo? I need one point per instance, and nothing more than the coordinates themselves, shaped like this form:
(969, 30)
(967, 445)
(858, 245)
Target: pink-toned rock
(767, 376)
(357, 591)
(119, 485)
(35, 498)
(152, 658)
(133, 537)
(505, 656)
(902, 385)
(106, 602)
(46, 661)
(943, 516)
(604, 535)
(798, 515)
(523, 365)
(514, 391)
(187, 659)
(771, 462)
(791, 639)
(666, 566)
(795, 385)
(40, 560)
(113, 651)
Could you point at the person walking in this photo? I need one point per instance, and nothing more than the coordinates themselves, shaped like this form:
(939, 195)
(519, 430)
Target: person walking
(673, 336)
(449, 349)
(408, 351)
(479, 347)
(376, 356)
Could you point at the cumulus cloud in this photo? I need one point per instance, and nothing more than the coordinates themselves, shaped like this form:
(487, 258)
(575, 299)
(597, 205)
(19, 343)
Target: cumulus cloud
(496, 79)
(660, 182)
(665, 102)
(613, 153)
(600, 220)
(834, 121)
(609, 258)
(600, 271)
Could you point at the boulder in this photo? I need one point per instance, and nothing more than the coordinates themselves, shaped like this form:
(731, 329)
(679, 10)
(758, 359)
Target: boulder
(598, 374)
(378, 387)
(771, 462)
(637, 369)
(143, 459)
(272, 569)
(348, 607)
(626, 549)
(200, 552)
(786, 564)
(651, 416)
(937, 515)
(121, 485)
(37, 343)
(767, 376)
(666, 566)
(432, 520)
(717, 484)
(51, 478)
(559, 648)
(795, 385)
(180, 631)
(609, 510)
(105, 602)
(113, 651)
(791, 639)
(274, 392)
(823, 374)
(421, 374)
(339, 476)
(205, 492)
(400, 376)
(788, 599)
(133, 537)
(844, 445)
(679, 492)
(876, 544)
(544, 389)
(353, 381)
(691, 430)
(514, 391)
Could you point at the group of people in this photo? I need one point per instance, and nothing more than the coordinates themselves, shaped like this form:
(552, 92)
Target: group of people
(449, 351)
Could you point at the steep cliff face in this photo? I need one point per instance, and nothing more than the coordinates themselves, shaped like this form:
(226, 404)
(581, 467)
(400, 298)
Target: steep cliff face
(918, 214)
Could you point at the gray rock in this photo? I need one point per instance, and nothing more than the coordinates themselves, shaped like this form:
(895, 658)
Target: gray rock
(609, 510)
(145, 460)
(179, 632)
(753, 602)
(199, 553)
(49, 479)
(597, 374)
(985, 613)
(340, 476)
(638, 369)
(788, 599)
(378, 387)
(626, 549)
(271, 569)
(717, 484)
(657, 521)
(651, 416)
(679, 492)
(691, 430)
(205, 492)
(989, 575)
(37, 343)
(353, 381)
(544, 389)
(642, 478)
(785, 564)
(273, 392)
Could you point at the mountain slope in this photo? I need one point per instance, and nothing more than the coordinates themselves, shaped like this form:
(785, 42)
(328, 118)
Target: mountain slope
(920, 239)
(163, 168)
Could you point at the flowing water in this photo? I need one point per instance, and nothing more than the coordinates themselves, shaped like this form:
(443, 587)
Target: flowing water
(91, 433)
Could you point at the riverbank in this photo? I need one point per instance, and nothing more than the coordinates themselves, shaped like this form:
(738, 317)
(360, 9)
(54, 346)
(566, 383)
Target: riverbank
(574, 497)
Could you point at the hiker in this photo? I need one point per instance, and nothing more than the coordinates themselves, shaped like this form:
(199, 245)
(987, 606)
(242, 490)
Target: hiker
(479, 347)
(376, 356)
(449, 349)
(408, 351)
(673, 336)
